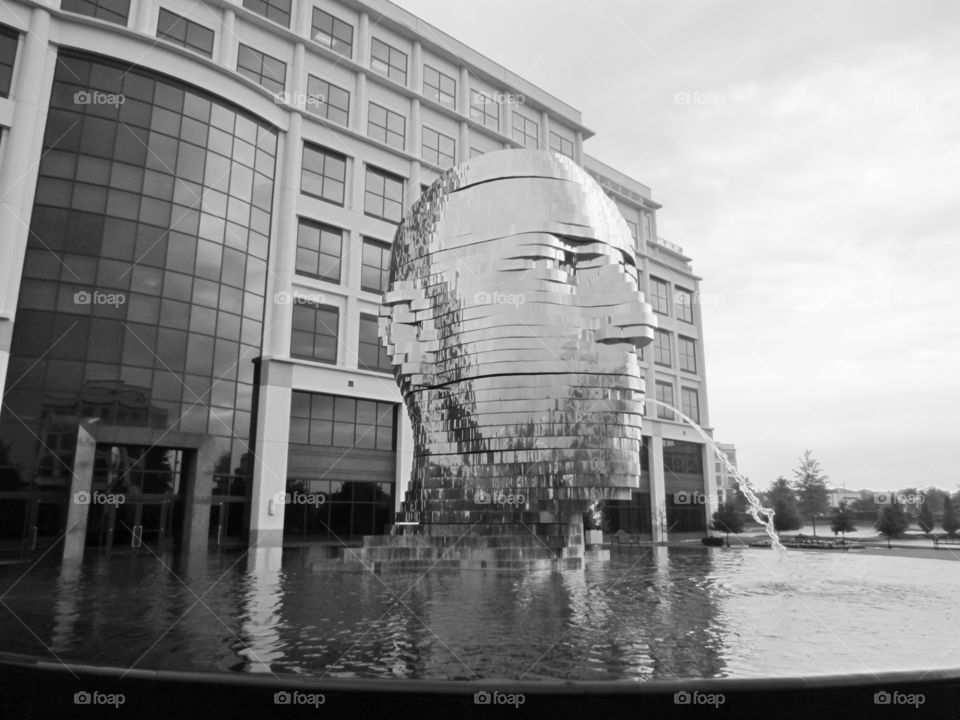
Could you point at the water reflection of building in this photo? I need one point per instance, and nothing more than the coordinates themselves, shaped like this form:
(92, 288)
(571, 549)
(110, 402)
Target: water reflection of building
(198, 267)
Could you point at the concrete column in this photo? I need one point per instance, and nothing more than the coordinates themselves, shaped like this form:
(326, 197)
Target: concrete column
(544, 130)
(81, 486)
(363, 40)
(463, 146)
(349, 340)
(18, 172)
(413, 129)
(355, 190)
(197, 498)
(270, 468)
(404, 455)
(228, 40)
(146, 17)
(413, 192)
(303, 18)
(280, 314)
(297, 82)
(416, 68)
(463, 92)
(709, 483)
(506, 119)
(578, 147)
(658, 507)
(358, 113)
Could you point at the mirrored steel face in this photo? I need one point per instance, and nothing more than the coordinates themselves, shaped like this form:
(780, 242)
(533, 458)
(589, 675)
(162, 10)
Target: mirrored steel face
(512, 320)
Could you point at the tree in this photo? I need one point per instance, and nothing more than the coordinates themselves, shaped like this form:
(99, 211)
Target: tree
(780, 490)
(728, 519)
(950, 522)
(925, 518)
(842, 520)
(892, 521)
(810, 482)
(785, 515)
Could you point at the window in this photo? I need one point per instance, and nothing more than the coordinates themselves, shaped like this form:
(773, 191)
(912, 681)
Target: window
(328, 101)
(439, 87)
(341, 421)
(661, 348)
(261, 68)
(680, 457)
(389, 61)
(664, 395)
(8, 53)
(115, 11)
(315, 329)
(386, 126)
(485, 109)
(526, 131)
(684, 301)
(375, 270)
(634, 230)
(383, 195)
(332, 32)
(276, 10)
(318, 250)
(187, 33)
(690, 404)
(560, 144)
(688, 353)
(438, 148)
(324, 174)
(658, 296)
(371, 355)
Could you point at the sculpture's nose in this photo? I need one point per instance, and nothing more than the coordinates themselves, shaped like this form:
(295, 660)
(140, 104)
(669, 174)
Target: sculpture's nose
(632, 322)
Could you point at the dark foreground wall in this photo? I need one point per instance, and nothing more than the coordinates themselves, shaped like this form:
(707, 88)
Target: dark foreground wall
(32, 688)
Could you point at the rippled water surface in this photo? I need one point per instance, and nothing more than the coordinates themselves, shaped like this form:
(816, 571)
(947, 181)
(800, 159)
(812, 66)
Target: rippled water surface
(647, 614)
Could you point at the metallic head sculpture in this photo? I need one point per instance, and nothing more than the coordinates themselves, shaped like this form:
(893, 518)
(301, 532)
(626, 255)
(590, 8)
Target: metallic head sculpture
(512, 319)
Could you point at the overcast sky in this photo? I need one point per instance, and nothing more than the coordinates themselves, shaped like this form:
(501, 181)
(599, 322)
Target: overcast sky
(814, 178)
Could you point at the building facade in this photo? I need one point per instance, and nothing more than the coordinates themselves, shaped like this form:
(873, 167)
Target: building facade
(198, 203)
(726, 482)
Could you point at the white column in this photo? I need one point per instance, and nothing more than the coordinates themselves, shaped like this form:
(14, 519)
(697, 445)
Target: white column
(146, 17)
(413, 129)
(463, 92)
(363, 40)
(463, 145)
(404, 455)
(358, 114)
(228, 40)
(658, 507)
(544, 130)
(297, 82)
(18, 172)
(416, 68)
(578, 148)
(270, 468)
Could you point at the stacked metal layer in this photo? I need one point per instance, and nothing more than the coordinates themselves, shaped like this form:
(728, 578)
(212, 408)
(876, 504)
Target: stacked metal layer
(512, 321)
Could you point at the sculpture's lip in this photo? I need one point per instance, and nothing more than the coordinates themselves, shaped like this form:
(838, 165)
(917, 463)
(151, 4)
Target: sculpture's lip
(472, 378)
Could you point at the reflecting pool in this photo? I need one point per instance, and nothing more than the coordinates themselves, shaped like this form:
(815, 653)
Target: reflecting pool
(649, 613)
